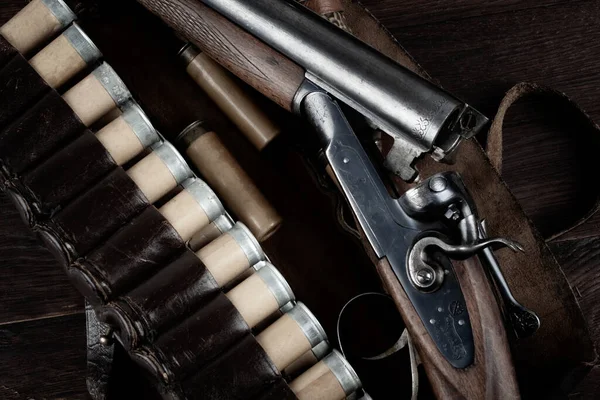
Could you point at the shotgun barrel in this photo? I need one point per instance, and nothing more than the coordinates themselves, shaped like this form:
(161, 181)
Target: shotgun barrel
(423, 116)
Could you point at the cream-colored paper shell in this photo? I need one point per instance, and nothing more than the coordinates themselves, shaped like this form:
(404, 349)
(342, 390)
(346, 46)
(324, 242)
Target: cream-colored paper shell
(58, 62)
(89, 100)
(120, 141)
(185, 215)
(284, 342)
(224, 258)
(34, 25)
(153, 177)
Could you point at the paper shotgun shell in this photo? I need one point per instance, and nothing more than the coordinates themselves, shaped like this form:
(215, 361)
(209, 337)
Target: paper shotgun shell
(160, 172)
(36, 23)
(231, 254)
(291, 336)
(65, 57)
(97, 94)
(211, 232)
(331, 379)
(128, 134)
(261, 294)
(192, 209)
(231, 98)
(308, 359)
(224, 174)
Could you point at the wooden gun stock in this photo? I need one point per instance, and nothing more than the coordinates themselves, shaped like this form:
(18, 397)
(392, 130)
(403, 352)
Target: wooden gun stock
(269, 72)
(492, 375)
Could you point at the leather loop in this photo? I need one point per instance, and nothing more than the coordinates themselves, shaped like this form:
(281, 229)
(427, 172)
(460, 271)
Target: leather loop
(133, 254)
(38, 133)
(198, 340)
(7, 51)
(496, 137)
(97, 214)
(66, 174)
(163, 301)
(21, 87)
(242, 372)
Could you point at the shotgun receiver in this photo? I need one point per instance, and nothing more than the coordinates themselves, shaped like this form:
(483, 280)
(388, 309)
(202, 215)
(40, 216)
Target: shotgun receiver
(307, 66)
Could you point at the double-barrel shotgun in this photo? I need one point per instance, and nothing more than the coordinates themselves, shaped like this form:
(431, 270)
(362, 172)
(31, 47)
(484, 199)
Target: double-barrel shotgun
(429, 244)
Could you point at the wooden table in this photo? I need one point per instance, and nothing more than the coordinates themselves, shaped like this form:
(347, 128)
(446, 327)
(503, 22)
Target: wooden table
(477, 50)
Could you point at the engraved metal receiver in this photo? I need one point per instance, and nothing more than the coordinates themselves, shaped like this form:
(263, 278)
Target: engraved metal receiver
(419, 233)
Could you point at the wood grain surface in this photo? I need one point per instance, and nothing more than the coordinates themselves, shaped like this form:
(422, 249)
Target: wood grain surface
(43, 358)
(476, 49)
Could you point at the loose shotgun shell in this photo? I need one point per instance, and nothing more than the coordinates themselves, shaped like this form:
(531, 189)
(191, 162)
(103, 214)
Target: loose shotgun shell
(220, 169)
(65, 57)
(260, 295)
(308, 359)
(36, 23)
(128, 134)
(215, 229)
(231, 254)
(231, 98)
(291, 336)
(331, 379)
(97, 94)
(160, 172)
(193, 208)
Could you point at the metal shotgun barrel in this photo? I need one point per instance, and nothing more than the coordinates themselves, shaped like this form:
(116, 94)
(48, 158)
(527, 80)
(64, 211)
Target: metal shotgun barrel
(413, 110)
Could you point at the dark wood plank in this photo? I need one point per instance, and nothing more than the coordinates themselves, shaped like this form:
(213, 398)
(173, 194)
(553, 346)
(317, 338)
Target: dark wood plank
(10, 8)
(580, 260)
(43, 359)
(394, 13)
(479, 58)
(589, 229)
(32, 284)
